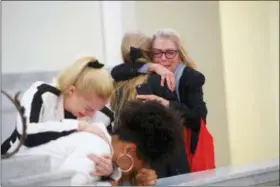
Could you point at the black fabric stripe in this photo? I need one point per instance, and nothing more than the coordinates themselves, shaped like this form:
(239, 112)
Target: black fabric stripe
(108, 113)
(5, 146)
(37, 101)
(110, 129)
(44, 137)
(48, 88)
(36, 105)
(69, 115)
(194, 140)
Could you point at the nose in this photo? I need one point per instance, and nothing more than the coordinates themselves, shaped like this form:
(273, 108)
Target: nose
(163, 57)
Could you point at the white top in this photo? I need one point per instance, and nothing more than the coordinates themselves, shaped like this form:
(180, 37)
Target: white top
(44, 112)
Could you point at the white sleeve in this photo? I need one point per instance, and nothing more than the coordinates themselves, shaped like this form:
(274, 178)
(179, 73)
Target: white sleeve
(51, 126)
(78, 160)
(33, 103)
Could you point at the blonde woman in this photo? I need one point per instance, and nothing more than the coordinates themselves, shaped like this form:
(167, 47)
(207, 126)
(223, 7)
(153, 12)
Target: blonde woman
(135, 47)
(71, 104)
(168, 57)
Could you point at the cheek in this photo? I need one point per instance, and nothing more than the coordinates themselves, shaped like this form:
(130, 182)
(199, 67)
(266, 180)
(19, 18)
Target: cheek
(177, 58)
(77, 107)
(138, 165)
(156, 60)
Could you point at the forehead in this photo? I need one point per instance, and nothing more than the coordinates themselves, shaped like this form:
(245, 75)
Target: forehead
(164, 43)
(93, 101)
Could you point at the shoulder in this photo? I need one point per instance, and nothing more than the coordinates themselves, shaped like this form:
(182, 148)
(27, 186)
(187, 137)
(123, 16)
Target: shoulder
(41, 88)
(37, 93)
(192, 77)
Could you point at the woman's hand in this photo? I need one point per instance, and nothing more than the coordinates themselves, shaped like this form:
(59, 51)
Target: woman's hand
(103, 165)
(166, 75)
(146, 177)
(162, 101)
(114, 183)
(91, 128)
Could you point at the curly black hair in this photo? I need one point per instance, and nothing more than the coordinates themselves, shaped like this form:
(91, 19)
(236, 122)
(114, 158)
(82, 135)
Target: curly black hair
(154, 129)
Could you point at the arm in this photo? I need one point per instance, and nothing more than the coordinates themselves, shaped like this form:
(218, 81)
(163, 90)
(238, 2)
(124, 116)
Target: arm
(159, 93)
(78, 160)
(126, 71)
(41, 132)
(154, 81)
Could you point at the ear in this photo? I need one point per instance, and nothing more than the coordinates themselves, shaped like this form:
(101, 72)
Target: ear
(130, 148)
(71, 90)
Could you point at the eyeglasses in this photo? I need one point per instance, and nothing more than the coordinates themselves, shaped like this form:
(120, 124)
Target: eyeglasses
(169, 54)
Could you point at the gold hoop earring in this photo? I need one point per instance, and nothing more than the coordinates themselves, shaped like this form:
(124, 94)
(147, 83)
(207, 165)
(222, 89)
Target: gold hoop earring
(131, 159)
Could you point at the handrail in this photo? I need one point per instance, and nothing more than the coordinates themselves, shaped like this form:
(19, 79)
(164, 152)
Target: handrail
(20, 110)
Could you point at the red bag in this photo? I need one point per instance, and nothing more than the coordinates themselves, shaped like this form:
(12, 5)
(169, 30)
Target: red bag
(204, 157)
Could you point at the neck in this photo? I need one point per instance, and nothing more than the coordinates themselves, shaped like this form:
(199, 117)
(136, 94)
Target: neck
(65, 105)
(173, 68)
(114, 146)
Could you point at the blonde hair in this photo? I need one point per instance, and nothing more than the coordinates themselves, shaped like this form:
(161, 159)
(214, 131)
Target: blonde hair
(138, 40)
(125, 90)
(86, 79)
(175, 37)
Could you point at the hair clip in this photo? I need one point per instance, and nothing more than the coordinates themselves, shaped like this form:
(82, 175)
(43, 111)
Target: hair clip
(135, 53)
(95, 64)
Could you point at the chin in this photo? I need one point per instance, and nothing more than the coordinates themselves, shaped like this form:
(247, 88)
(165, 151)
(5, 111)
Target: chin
(168, 67)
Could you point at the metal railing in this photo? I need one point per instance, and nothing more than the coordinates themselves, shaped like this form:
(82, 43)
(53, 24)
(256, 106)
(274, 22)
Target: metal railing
(20, 109)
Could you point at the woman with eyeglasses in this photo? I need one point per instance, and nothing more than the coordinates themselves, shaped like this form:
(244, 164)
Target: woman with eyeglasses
(169, 58)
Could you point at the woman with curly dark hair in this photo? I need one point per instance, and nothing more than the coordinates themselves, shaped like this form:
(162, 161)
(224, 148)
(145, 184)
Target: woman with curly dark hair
(143, 137)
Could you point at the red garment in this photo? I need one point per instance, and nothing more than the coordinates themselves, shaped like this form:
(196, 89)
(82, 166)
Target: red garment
(204, 156)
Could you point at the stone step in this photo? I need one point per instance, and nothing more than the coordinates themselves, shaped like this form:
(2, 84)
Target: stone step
(60, 178)
(22, 166)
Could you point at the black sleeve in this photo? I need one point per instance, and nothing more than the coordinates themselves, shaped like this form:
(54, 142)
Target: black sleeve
(110, 114)
(161, 91)
(192, 107)
(126, 71)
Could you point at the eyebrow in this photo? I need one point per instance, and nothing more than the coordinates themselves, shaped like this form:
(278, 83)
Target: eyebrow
(165, 49)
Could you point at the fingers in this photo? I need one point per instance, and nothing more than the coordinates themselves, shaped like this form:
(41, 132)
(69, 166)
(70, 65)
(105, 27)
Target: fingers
(103, 165)
(169, 84)
(144, 97)
(114, 183)
(96, 130)
(146, 177)
(170, 80)
(148, 97)
(162, 80)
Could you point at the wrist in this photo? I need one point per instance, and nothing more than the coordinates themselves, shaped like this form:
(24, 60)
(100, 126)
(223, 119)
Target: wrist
(81, 125)
(152, 67)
